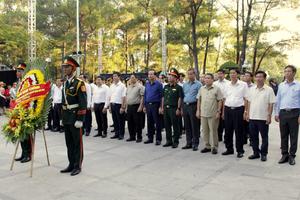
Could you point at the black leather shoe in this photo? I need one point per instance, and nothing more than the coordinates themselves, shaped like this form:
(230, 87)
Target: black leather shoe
(148, 142)
(240, 155)
(97, 135)
(104, 135)
(67, 170)
(19, 159)
(114, 137)
(195, 148)
(214, 151)
(157, 143)
(283, 159)
(187, 147)
(75, 172)
(227, 152)
(263, 158)
(112, 131)
(25, 160)
(292, 160)
(254, 156)
(205, 150)
(168, 144)
(120, 138)
(55, 130)
(130, 140)
(139, 140)
(174, 146)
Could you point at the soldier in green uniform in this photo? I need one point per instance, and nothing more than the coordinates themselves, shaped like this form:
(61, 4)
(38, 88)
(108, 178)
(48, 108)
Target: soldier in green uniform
(172, 97)
(25, 144)
(74, 109)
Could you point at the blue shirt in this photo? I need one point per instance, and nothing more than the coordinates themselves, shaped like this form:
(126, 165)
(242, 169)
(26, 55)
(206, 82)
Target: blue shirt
(288, 96)
(190, 90)
(153, 92)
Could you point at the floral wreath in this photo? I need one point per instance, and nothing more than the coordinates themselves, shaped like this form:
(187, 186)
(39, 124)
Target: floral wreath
(30, 109)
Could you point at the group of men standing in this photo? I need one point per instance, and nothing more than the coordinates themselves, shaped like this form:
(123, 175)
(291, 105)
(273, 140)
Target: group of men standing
(241, 108)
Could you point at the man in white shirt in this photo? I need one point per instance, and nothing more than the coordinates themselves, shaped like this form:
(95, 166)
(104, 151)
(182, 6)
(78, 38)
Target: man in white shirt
(259, 113)
(87, 123)
(100, 104)
(221, 83)
(118, 105)
(57, 105)
(234, 105)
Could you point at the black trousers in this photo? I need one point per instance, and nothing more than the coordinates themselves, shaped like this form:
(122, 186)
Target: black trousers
(26, 148)
(57, 111)
(101, 118)
(87, 123)
(191, 123)
(118, 119)
(256, 127)
(135, 122)
(50, 118)
(289, 127)
(234, 124)
(74, 144)
(153, 121)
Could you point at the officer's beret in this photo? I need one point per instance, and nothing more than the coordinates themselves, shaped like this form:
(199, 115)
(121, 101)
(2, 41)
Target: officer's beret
(70, 61)
(174, 72)
(21, 66)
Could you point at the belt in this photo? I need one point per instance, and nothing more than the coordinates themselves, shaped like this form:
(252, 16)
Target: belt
(233, 108)
(190, 104)
(69, 107)
(290, 109)
(169, 106)
(152, 103)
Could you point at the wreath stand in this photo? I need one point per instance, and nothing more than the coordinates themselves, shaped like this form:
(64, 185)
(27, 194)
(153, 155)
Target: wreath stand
(32, 151)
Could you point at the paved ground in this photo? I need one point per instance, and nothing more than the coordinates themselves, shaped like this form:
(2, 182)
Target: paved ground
(117, 170)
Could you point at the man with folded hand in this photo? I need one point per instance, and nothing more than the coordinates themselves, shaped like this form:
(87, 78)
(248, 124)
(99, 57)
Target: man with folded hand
(74, 109)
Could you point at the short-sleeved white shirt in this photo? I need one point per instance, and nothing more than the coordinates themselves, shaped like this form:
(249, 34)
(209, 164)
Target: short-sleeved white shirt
(235, 94)
(117, 92)
(259, 100)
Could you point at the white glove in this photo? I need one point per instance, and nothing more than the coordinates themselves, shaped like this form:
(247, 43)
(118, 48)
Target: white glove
(78, 124)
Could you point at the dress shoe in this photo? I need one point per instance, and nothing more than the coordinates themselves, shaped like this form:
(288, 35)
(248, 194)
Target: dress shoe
(104, 135)
(114, 137)
(148, 142)
(48, 128)
(174, 146)
(157, 143)
(25, 160)
(19, 159)
(87, 134)
(120, 138)
(240, 155)
(263, 158)
(292, 160)
(205, 150)
(55, 130)
(214, 151)
(168, 144)
(187, 147)
(139, 140)
(61, 130)
(112, 131)
(195, 148)
(130, 140)
(254, 156)
(227, 152)
(75, 172)
(97, 135)
(67, 170)
(283, 159)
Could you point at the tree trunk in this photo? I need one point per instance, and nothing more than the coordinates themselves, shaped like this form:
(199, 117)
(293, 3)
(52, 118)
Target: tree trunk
(207, 38)
(194, 48)
(237, 32)
(245, 31)
(84, 52)
(148, 44)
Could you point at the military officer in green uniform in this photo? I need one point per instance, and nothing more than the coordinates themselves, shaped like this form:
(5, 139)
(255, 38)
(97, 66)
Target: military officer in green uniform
(25, 144)
(74, 108)
(171, 108)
